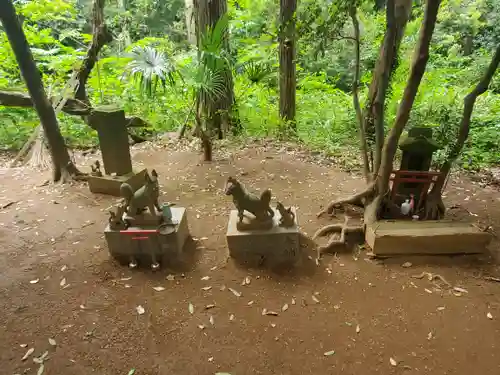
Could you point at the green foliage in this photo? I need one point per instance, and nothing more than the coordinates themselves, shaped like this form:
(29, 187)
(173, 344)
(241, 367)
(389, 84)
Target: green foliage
(150, 54)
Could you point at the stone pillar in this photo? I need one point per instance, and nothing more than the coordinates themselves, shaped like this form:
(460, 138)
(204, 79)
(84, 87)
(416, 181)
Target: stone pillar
(111, 127)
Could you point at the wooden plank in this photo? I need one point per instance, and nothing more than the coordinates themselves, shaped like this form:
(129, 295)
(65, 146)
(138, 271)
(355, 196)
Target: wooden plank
(425, 237)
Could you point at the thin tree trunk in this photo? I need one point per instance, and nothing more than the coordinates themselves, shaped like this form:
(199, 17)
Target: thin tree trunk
(190, 21)
(355, 95)
(397, 15)
(62, 164)
(219, 113)
(419, 64)
(434, 206)
(100, 37)
(287, 63)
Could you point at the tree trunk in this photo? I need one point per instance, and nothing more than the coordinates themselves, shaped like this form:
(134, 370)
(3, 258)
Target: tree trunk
(374, 196)
(219, 112)
(397, 16)
(434, 207)
(287, 63)
(62, 165)
(355, 95)
(100, 37)
(190, 21)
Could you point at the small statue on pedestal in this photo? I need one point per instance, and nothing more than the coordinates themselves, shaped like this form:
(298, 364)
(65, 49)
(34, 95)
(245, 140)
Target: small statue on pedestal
(287, 218)
(96, 169)
(145, 197)
(258, 206)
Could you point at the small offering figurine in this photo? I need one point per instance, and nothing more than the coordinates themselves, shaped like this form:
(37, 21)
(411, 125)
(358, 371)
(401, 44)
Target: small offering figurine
(116, 221)
(287, 218)
(244, 201)
(96, 169)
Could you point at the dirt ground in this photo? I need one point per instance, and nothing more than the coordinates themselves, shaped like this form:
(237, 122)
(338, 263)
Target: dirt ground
(374, 315)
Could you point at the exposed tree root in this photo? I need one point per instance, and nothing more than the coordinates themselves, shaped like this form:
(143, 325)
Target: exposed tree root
(335, 241)
(68, 173)
(355, 200)
(434, 207)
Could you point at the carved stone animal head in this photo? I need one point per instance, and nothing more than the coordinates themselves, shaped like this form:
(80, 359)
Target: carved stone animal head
(231, 185)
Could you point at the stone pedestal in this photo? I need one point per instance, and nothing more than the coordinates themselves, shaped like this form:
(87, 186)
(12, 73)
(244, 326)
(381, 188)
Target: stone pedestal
(110, 185)
(275, 246)
(147, 244)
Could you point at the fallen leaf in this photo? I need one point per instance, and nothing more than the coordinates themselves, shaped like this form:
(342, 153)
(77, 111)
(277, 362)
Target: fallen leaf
(205, 278)
(293, 301)
(128, 286)
(140, 310)
(82, 307)
(231, 317)
(428, 291)
(170, 277)
(429, 336)
(126, 278)
(222, 288)
(131, 372)
(23, 345)
(393, 361)
(28, 353)
(213, 268)
(250, 303)
(358, 329)
(210, 306)
(460, 290)
(52, 342)
(40, 369)
(273, 325)
(440, 308)
(211, 320)
(264, 311)
(316, 300)
(34, 281)
(64, 268)
(191, 308)
(235, 292)
(41, 359)
(159, 288)
(285, 307)
(271, 313)
(211, 359)
(489, 315)
(247, 280)
(406, 265)
(201, 326)
(203, 238)
(205, 288)
(327, 354)
(63, 282)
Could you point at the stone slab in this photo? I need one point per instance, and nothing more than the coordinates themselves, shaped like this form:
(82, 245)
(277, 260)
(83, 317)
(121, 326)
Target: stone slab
(142, 242)
(110, 185)
(425, 238)
(275, 246)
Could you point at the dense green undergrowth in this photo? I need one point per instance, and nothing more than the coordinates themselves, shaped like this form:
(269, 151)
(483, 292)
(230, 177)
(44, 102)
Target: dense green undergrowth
(325, 114)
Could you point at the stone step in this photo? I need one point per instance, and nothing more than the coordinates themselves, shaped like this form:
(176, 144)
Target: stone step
(425, 238)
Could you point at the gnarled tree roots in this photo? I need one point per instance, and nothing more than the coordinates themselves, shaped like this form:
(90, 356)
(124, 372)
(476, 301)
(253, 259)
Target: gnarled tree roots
(334, 241)
(355, 200)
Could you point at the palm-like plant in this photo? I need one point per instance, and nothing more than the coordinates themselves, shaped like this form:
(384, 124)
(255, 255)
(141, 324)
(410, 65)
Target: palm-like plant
(150, 67)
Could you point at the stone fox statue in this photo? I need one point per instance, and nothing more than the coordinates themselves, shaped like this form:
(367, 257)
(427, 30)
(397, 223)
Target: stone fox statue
(146, 196)
(244, 201)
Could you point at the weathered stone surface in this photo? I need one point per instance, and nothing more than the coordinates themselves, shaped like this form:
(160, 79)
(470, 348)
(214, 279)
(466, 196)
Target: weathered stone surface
(425, 237)
(276, 246)
(111, 184)
(142, 243)
(111, 126)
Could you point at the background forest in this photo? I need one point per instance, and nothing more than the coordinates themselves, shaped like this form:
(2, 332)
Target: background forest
(150, 69)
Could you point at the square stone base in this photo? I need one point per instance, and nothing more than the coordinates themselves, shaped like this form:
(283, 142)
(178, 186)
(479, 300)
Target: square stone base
(275, 246)
(146, 244)
(110, 185)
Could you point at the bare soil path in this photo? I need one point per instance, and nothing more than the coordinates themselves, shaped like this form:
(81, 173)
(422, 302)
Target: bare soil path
(370, 313)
